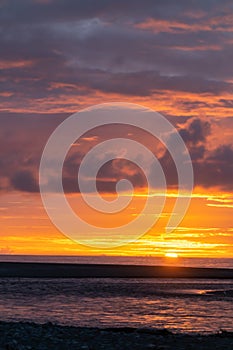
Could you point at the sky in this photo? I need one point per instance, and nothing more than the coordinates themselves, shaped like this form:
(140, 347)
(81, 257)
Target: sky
(60, 56)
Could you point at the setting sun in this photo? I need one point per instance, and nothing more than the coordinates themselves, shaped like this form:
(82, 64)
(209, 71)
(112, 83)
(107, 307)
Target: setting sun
(171, 255)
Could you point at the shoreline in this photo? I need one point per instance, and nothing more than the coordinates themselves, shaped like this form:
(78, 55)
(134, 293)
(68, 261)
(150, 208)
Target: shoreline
(71, 270)
(26, 335)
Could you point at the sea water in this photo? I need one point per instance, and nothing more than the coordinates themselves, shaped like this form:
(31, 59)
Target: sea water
(180, 305)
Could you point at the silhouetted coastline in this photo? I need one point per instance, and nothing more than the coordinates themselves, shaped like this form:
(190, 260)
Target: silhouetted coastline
(61, 270)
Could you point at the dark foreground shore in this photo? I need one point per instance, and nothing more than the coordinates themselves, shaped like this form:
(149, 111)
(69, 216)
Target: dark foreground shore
(60, 270)
(28, 336)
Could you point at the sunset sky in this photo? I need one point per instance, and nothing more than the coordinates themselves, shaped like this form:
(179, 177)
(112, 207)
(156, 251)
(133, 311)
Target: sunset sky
(60, 56)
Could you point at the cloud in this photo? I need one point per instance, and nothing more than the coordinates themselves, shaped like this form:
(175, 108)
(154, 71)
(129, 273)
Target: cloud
(216, 170)
(60, 54)
(97, 46)
(69, 9)
(24, 181)
(196, 131)
(23, 139)
(212, 167)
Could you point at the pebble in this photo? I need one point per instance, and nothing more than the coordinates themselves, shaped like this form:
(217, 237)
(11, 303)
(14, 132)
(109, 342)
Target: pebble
(30, 336)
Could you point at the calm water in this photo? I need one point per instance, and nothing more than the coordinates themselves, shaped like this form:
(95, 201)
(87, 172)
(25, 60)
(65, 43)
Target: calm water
(179, 305)
(195, 262)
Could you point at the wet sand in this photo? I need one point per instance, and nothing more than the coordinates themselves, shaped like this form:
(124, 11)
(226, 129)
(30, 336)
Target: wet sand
(25, 336)
(61, 270)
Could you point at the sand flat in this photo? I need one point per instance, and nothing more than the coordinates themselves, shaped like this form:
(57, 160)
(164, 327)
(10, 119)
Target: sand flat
(61, 270)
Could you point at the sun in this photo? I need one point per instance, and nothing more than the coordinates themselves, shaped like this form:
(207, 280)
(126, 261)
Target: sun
(171, 255)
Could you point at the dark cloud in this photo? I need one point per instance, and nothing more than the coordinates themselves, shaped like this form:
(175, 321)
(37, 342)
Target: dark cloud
(29, 11)
(212, 168)
(226, 103)
(108, 176)
(24, 181)
(117, 170)
(196, 132)
(217, 169)
(23, 140)
(55, 49)
(94, 45)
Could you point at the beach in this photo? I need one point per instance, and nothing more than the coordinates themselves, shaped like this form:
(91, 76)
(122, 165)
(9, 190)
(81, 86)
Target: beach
(25, 336)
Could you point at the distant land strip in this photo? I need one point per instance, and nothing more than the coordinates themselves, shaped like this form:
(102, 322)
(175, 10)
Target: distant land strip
(66, 270)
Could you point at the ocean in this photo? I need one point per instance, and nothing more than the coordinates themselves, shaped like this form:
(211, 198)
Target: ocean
(124, 260)
(180, 305)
